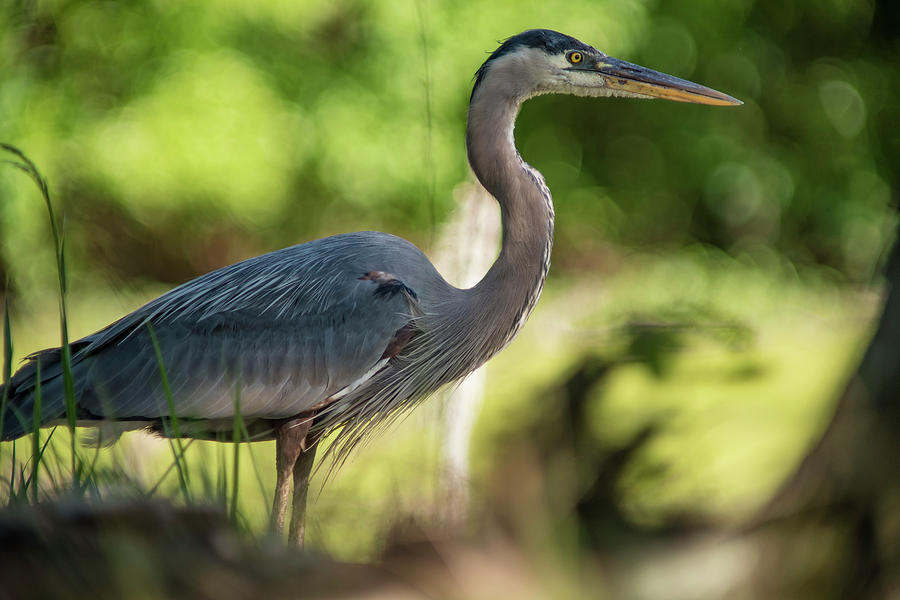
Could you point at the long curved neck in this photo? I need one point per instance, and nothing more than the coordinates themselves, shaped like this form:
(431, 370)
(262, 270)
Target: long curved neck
(511, 288)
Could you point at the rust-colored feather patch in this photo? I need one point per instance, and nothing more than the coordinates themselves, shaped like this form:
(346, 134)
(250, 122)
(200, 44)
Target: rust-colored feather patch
(399, 341)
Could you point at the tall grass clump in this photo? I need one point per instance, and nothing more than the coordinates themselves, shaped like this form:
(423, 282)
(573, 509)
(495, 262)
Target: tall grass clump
(27, 166)
(84, 477)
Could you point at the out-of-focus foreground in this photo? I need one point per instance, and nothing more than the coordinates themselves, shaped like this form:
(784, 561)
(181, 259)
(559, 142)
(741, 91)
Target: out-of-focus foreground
(715, 284)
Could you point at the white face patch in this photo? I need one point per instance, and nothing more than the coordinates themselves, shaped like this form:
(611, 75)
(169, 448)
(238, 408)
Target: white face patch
(529, 72)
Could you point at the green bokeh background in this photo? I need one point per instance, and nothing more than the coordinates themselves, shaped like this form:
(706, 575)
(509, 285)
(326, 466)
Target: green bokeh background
(183, 137)
(180, 137)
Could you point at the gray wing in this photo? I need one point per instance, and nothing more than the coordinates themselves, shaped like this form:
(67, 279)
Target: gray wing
(277, 334)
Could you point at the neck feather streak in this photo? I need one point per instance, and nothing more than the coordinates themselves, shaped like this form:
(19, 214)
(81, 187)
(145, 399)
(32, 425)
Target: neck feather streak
(510, 290)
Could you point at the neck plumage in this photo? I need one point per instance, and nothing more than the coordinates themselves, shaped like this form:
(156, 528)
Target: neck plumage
(510, 290)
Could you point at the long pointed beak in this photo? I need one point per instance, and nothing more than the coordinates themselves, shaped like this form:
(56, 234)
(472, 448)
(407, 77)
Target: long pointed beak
(627, 77)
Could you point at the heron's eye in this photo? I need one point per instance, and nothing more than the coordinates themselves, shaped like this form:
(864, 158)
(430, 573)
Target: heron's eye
(575, 57)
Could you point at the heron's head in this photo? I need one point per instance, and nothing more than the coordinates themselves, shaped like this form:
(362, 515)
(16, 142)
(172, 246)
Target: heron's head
(540, 61)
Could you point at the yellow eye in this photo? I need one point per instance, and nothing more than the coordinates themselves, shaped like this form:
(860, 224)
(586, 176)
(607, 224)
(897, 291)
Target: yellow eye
(574, 57)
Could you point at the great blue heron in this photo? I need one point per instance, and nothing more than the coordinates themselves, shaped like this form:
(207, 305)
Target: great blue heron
(348, 330)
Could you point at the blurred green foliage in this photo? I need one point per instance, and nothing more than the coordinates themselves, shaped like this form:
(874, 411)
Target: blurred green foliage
(181, 137)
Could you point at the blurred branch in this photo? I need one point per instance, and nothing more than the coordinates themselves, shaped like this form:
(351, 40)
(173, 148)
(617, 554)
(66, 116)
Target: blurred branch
(849, 461)
(848, 483)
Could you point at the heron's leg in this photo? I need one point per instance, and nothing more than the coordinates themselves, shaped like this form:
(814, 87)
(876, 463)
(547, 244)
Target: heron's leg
(302, 469)
(289, 436)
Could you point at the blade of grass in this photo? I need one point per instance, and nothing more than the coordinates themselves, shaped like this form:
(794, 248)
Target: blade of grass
(23, 488)
(7, 358)
(236, 428)
(222, 477)
(173, 419)
(36, 439)
(256, 471)
(168, 470)
(430, 178)
(39, 457)
(12, 474)
(7, 375)
(91, 468)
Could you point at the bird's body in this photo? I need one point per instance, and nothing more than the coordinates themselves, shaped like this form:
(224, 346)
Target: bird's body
(310, 326)
(346, 330)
